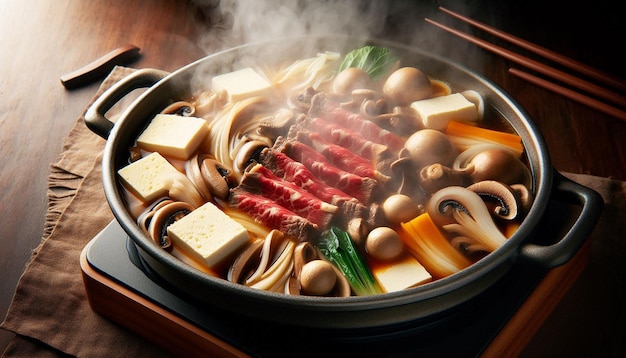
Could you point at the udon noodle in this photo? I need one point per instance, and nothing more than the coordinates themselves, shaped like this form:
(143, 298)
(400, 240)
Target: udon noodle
(347, 181)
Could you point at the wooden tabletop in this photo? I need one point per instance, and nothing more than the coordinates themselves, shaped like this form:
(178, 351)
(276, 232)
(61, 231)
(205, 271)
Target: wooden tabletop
(41, 40)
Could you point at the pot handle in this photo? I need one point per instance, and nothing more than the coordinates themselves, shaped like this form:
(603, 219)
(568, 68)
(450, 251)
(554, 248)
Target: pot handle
(591, 208)
(95, 118)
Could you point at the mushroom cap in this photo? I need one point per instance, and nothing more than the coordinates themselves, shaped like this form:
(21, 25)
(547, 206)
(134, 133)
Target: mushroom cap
(429, 146)
(384, 244)
(406, 85)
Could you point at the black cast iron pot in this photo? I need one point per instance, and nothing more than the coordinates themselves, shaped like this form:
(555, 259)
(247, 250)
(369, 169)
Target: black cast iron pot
(411, 305)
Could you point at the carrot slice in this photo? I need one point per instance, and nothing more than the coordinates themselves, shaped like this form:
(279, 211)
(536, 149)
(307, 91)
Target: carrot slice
(431, 248)
(462, 131)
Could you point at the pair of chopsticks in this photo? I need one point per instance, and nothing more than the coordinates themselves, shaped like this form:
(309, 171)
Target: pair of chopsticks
(571, 80)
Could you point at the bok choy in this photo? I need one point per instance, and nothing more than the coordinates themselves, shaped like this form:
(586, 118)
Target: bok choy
(337, 247)
(374, 60)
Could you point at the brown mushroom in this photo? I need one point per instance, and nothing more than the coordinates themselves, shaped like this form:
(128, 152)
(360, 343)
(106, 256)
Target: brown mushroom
(507, 206)
(399, 208)
(218, 178)
(163, 217)
(429, 146)
(317, 278)
(406, 85)
(437, 176)
(500, 165)
(316, 272)
(180, 108)
(248, 154)
(384, 244)
(350, 79)
(524, 195)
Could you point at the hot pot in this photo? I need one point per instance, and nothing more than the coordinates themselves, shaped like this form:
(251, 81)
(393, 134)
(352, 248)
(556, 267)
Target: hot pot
(387, 310)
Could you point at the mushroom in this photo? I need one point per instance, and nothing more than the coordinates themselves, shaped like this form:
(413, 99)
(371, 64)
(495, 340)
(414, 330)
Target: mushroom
(217, 177)
(404, 176)
(500, 165)
(350, 79)
(384, 244)
(399, 208)
(429, 146)
(180, 108)
(312, 275)
(265, 264)
(194, 173)
(437, 176)
(301, 102)
(406, 85)
(248, 154)
(524, 195)
(317, 278)
(163, 216)
(507, 207)
(461, 211)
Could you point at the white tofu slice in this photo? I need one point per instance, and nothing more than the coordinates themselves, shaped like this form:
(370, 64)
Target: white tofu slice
(404, 273)
(173, 136)
(241, 84)
(435, 113)
(208, 235)
(151, 177)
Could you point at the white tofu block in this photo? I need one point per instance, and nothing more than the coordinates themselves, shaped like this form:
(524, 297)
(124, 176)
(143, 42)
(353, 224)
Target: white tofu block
(208, 235)
(173, 136)
(241, 84)
(405, 273)
(150, 177)
(435, 113)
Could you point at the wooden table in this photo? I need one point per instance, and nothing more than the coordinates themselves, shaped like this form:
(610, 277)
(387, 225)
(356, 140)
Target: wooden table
(41, 40)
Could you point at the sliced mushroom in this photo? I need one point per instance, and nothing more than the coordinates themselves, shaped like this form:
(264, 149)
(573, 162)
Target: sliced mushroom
(163, 217)
(246, 263)
(217, 177)
(180, 108)
(265, 264)
(463, 212)
(507, 207)
(248, 154)
(524, 195)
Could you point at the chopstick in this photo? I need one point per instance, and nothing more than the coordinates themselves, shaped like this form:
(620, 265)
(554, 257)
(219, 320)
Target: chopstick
(573, 95)
(544, 52)
(538, 66)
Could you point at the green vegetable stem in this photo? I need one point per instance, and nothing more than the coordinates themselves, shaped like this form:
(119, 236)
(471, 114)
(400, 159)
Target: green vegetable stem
(337, 247)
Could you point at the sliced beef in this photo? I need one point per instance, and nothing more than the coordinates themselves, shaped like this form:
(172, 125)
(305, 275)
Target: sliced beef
(261, 181)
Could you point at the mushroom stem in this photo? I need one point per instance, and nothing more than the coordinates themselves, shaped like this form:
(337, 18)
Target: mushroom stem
(438, 176)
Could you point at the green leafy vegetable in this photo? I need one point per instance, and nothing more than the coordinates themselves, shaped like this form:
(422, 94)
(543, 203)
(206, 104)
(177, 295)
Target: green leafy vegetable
(376, 61)
(337, 247)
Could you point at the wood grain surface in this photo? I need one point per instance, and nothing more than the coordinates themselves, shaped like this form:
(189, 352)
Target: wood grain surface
(40, 40)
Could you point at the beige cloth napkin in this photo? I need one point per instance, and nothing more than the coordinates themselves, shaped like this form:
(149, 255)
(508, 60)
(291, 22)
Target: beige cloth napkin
(50, 313)
(51, 316)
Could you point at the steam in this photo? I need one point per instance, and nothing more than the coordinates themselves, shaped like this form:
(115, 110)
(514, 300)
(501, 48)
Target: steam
(238, 22)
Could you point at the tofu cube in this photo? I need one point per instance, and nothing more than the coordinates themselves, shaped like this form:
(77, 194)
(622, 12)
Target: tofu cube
(435, 113)
(150, 177)
(173, 136)
(404, 273)
(241, 84)
(208, 235)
